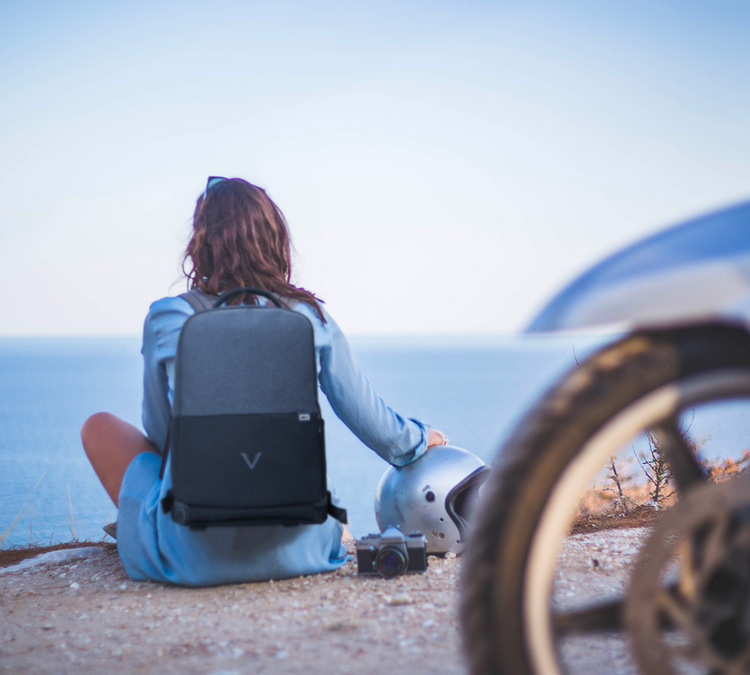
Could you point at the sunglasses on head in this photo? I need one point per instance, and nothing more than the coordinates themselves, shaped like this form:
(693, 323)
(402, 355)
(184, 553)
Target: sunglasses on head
(215, 180)
(212, 180)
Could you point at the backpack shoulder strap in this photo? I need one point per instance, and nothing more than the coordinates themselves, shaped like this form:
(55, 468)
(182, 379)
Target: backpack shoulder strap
(199, 300)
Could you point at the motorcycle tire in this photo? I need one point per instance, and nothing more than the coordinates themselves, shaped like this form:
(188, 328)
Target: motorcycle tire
(555, 451)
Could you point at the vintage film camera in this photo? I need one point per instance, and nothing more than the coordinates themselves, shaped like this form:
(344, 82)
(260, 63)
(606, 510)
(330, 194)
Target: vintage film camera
(391, 553)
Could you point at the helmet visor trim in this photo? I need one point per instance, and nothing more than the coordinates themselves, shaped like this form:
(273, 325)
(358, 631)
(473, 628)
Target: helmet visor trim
(462, 498)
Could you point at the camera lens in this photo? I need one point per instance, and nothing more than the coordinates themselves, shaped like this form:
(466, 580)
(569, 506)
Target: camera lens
(390, 562)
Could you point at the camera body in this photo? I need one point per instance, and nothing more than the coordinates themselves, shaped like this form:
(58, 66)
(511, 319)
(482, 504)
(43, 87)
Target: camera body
(391, 553)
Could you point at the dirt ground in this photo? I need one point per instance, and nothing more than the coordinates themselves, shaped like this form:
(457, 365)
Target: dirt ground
(640, 516)
(83, 614)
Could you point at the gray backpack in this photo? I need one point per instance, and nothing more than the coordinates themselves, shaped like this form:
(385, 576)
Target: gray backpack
(246, 434)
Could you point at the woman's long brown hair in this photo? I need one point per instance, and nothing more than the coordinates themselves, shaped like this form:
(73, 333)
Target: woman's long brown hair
(240, 238)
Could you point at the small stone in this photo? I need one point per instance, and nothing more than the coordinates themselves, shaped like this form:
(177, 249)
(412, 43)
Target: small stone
(75, 585)
(402, 599)
(341, 626)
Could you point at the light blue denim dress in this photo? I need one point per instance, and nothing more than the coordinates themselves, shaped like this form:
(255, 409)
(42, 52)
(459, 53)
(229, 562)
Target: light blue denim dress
(152, 546)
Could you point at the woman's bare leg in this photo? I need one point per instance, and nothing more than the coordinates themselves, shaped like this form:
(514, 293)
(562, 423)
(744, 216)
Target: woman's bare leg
(111, 444)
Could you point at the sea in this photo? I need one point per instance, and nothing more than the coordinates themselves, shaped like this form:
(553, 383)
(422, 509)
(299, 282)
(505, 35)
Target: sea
(475, 389)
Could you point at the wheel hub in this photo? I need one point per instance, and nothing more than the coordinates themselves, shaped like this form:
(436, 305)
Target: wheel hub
(690, 591)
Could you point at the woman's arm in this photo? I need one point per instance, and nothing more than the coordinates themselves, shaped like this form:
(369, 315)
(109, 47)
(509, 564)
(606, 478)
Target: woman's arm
(396, 439)
(161, 331)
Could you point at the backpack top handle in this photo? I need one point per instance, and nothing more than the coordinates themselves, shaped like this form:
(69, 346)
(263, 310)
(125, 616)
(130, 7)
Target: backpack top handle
(252, 291)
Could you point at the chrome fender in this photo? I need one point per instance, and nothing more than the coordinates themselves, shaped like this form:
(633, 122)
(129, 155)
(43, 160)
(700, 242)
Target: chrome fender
(695, 271)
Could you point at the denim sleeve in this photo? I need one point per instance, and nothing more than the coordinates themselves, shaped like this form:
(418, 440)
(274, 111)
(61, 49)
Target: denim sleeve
(161, 331)
(396, 439)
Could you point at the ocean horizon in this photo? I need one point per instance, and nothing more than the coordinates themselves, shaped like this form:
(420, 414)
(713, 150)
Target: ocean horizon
(474, 388)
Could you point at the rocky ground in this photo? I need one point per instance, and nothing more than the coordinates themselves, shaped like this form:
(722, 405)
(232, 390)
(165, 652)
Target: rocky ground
(80, 613)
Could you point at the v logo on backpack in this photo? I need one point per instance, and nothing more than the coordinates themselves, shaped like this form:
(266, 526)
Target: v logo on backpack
(246, 388)
(251, 462)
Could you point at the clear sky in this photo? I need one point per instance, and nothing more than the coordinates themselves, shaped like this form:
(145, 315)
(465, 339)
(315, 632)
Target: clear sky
(444, 165)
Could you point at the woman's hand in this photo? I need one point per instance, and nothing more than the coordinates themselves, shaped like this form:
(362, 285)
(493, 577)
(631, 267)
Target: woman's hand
(437, 438)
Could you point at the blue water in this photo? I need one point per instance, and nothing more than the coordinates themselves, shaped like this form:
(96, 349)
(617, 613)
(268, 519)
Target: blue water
(473, 389)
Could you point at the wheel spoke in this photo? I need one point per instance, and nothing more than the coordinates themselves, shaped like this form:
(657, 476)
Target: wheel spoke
(598, 618)
(683, 464)
(608, 616)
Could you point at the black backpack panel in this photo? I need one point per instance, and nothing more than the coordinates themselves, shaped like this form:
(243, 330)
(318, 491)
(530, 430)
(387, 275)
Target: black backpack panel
(246, 432)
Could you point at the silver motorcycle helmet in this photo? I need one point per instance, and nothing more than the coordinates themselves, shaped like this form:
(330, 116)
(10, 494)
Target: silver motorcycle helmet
(433, 495)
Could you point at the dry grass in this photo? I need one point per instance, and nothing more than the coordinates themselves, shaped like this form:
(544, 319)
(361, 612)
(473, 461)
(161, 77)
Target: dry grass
(624, 499)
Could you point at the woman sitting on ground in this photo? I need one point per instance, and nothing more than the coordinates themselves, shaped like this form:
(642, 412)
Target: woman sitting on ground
(239, 239)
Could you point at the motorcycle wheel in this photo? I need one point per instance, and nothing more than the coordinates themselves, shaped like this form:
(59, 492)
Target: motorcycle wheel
(642, 382)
